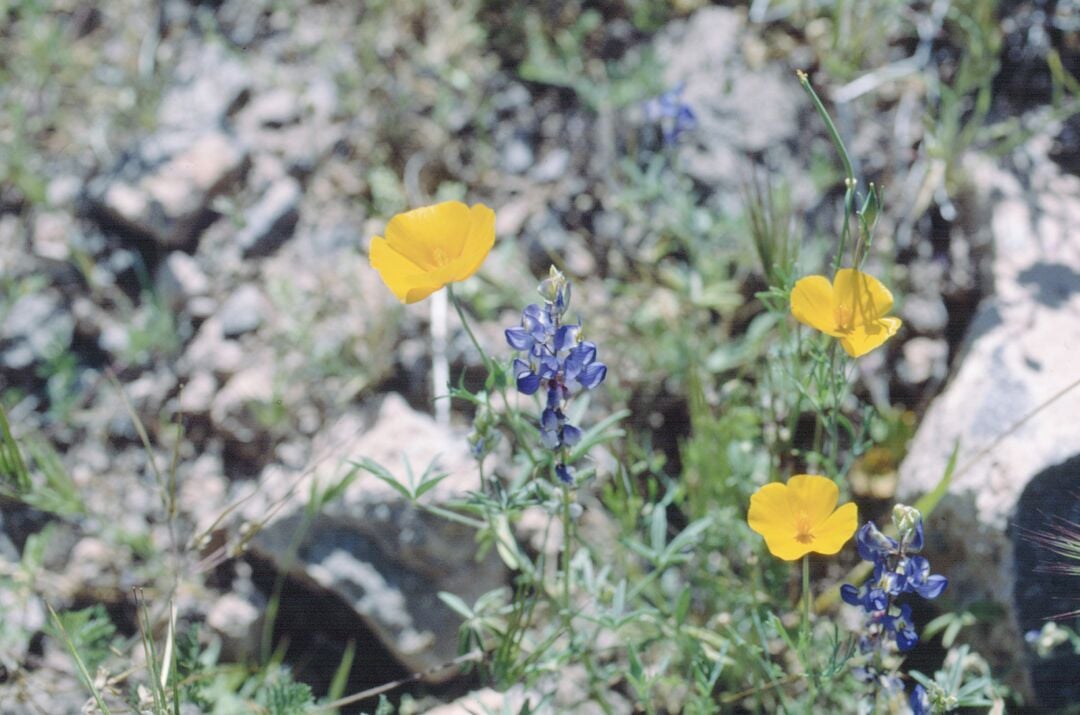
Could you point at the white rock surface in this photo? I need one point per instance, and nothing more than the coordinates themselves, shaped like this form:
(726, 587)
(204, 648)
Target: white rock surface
(1021, 353)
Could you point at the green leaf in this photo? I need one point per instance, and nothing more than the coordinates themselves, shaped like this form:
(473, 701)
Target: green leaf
(682, 606)
(456, 605)
(429, 483)
(688, 536)
(658, 528)
(341, 675)
(380, 472)
(89, 630)
(60, 631)
(14, 474)
(930, 500)
(282, 696)
(505, 543)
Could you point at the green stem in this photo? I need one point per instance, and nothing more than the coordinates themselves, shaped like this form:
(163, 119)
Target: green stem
(804, 636)
(465, 324)
(511, 418)
(849, 171)
(833, 426)
(566, 557)
(850, 182)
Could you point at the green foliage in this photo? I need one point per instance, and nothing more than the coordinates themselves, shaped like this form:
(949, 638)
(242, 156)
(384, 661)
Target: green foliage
(34, 474)
(965, 681)
(556, 56)
(282, 696)
(90, 632)
(152, 331)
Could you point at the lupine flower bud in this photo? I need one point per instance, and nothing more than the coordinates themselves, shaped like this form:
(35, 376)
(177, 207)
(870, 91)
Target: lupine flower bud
(906, 519)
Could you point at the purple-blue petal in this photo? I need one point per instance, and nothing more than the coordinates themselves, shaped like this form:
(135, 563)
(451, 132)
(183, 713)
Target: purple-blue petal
(876, 600)
(550, 439)
(915, 544)
(565, 337)
(564, 473)
(906, 639)
(872, 544)
(528, 383)
(592, 375)
(549, 420)
(571, 435)
(519, 338)
(920, 701)
(933, 587)
(850, 594)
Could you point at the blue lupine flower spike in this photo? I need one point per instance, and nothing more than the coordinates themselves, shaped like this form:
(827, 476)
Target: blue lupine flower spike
(553, 356)
(897, 570)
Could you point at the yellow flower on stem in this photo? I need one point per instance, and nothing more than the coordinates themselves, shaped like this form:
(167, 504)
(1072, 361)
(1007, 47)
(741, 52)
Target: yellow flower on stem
(852, 308)
(801, 517)
(429, 247)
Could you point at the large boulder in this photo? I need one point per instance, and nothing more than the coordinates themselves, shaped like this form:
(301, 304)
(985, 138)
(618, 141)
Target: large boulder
(1011, 404)
(373, 550)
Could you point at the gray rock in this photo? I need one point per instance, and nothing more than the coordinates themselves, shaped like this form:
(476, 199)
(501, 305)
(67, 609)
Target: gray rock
(64, 190)
(113, 337)
(162, 189)
(1020, 353)
(295, 123)
(739, 109)
(208, 84)
(371, 548)
(210, 350)
(517, 157)
(198, 394)
(203, 490)
(925, 314)
(553, 166)
(238, 620)
(923, 359)
(51, 234)
(234, 410)
(36, 328)
(242, 312)
(270, 222)
(274, 109)
(180, 279)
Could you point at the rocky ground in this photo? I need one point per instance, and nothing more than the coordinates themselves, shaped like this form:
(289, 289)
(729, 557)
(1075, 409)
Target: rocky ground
(190, 189)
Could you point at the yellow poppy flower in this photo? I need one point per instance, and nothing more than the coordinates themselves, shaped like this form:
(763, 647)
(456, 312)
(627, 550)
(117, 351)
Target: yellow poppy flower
(427, 248)
(852, 308)
(801, 516)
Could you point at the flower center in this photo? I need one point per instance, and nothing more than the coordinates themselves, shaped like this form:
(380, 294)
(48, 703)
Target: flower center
(802, 530)
(844, 317)
(441, 259)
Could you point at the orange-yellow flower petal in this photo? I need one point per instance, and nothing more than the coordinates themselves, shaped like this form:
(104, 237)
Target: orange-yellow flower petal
(429, 247)
(864, 338)
(868, 297)
(831, 535)
(813, 304)
(852, 308)
(801, 517)
(812, 497)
